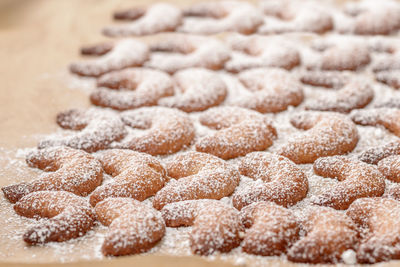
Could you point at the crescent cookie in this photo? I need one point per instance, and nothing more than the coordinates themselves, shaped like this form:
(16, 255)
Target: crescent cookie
(328, 234)
(111, 56)
(160, 17)
(221, 16)
(131, 88)
(69, 216)
(292, 17)
(390, 168)
(198, 175)
(166, 130)
(375, 154)
(378, 217)
(135, 175)
(133, 227)
(261, 51)
(353, 95)
(356, 180)
(270, 90)
(196, 89)
(389, 62)
(327, 134)
(386, 117)
(279, 180)
(95, 130)
(391, 78)
(215, 225)
(272, 229)
(327, 79)
(174, 52)
(70, 170)
(346, 56)
(372, 18)
(239, 131)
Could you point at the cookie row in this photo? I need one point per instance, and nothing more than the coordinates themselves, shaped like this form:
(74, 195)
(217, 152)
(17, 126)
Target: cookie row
(268, 17)
(193, 176)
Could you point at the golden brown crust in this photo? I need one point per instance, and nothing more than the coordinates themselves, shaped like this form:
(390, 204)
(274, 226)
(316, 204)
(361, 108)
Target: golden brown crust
(354, 95)
(95, 130)
(328, 233)
(70, 170)
(357, 180)
(327, 134)
(133, 226)
(380, 217)
(240, 131)
(390, 168)
(131, 88)
(345, 57)
(135, 175)
(215, 226)
(261, 52)
(69, 216)
(375, 154)
(179, 51)
(282, 181)
(112, 56)
(386, 117)
(272, 90)
(145, 21)
(272, 229)
(221, 16)
(328, 79)
(196, 89)
(295, 17)
(198, 176)
(167, 130)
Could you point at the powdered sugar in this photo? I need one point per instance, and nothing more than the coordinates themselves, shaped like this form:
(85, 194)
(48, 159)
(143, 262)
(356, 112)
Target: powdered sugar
(176, 241)
(160, 17)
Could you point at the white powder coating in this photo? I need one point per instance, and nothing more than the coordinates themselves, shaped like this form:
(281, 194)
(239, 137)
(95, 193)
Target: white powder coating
(124, 53)
(160, 17)
(386, 117)
(176, 241)
(354, 95)
(131, 88)
(239, 131)
(277, 179)
(216, 226)
(221, 16)
(95, 129)
(391, 78)
(272, 228)
(179, 51)
(133, 226)
(327, 234)
(327, 134)
(379, 217)
(167, 130)
(339, 55)
(272, 90)
(370, 17)
(198, 175)
(70, 216)
(327, 79)
(135, 175)
(261, 51)
(196, 89)
(295, 16)
(357, 180)
(71, 170)
(388, 62)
